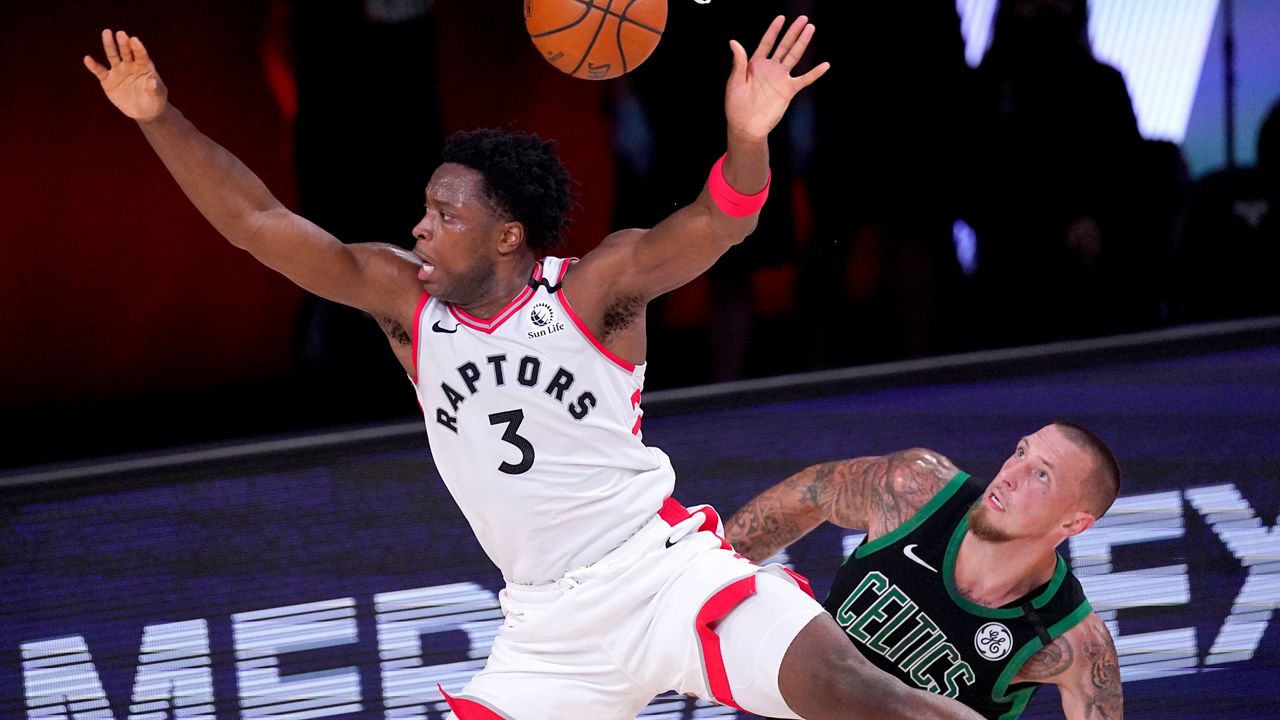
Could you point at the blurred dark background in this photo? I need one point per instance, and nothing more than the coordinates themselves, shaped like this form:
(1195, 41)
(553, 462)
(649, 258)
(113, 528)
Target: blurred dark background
(1061, 175)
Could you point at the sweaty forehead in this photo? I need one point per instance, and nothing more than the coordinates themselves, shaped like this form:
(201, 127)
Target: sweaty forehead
(457, 185)
(1051, 446)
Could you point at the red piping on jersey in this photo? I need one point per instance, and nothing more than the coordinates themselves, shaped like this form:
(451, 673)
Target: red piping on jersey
(488, 326)
(635, 405)
(417, 328)
(564, 268)
(715, 608)
(466, 709)
(586, 333)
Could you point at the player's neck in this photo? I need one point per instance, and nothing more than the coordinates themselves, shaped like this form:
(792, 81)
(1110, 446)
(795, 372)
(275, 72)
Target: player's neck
(995, 574)
(509, 280)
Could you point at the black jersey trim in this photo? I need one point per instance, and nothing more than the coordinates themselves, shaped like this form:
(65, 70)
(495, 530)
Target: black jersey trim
(953, 485)
(544, 282)
(1021, 697)
(1037, 624)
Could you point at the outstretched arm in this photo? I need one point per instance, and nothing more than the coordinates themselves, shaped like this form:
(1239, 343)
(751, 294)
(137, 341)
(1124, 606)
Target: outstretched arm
(873, 493)
(1084, 665)
(644, 264)
(374, 277)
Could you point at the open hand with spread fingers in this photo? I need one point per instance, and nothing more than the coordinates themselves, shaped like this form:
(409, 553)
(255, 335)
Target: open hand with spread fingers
(761, 87)
(131, 82)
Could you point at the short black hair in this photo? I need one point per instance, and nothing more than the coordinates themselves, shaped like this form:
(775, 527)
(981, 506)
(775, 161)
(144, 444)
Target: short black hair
(1103, 482)
(523, 177)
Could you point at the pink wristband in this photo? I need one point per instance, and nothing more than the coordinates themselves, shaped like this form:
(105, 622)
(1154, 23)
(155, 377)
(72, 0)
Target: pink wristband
(730, 201)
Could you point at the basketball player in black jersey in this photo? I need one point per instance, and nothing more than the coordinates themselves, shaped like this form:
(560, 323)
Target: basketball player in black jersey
(958, 588)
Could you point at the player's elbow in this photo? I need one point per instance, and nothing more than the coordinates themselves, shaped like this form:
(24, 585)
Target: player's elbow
(256, 228)
(746, 226)
(740, 228)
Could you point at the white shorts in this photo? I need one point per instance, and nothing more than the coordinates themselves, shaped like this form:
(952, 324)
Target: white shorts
(688, 615)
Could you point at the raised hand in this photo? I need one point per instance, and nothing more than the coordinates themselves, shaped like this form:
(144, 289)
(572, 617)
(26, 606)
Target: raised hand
(761, 87)
(131, 83)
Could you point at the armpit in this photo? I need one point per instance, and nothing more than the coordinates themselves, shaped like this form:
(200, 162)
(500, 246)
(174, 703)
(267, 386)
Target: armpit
(395, 332)
(619, 316)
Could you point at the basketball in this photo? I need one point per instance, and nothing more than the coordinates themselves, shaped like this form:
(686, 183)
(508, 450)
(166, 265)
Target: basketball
(595, 39)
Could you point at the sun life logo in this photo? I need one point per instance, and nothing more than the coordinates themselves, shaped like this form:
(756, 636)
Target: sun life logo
(541, 315)
(993, 641)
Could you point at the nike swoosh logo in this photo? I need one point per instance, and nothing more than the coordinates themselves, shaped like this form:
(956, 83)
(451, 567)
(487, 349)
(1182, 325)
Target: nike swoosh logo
(913, 558)
(439, 329)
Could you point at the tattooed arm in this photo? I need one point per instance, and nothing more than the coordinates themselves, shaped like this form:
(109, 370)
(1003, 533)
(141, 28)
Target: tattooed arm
(873, 493)
(1084, 666)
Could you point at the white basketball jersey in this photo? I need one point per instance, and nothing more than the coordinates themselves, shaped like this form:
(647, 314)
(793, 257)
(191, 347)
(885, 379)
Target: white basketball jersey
(535, 427)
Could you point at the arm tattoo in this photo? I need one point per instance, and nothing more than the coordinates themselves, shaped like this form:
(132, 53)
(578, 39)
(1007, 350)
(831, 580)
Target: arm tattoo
(780, 515)
(758, 535)
(875, 493)
(1050, 661)
(1106, 699)
(1089, 680)
(885, 492)
(395, 332)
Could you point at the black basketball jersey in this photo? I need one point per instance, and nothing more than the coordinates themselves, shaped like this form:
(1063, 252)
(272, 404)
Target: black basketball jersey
(896, 599)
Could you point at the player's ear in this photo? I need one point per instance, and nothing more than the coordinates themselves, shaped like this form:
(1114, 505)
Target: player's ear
(1078, 523)
(512, 238)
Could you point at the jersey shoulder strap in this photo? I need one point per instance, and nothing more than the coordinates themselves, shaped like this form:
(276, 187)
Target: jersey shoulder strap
(550, 273)
(959, 491)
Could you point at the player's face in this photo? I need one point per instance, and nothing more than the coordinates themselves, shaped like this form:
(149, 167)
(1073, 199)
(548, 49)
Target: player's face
(457, 237)
(1036, 492)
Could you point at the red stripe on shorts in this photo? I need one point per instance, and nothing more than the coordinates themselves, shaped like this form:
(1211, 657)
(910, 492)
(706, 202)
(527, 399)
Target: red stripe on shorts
(715, 608)
(674, 513)
(801, 581)
(468, 709)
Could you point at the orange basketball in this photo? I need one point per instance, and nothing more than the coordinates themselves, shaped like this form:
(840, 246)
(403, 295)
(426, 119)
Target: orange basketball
(595, 39)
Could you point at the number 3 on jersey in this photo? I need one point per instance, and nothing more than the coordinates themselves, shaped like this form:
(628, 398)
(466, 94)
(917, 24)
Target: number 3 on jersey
(513, 418)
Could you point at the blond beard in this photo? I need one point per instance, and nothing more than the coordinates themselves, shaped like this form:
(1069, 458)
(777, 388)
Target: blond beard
(981, 526)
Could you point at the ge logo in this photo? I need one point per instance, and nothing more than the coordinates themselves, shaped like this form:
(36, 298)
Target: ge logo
(993, 641)
(541, 314)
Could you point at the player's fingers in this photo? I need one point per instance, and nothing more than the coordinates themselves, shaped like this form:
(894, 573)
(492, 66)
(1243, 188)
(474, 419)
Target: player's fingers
(810, 77)
(109, 45)
(139, 51)
(96, 68)
(767, 41)
(122, 40)
(797, 49)
(739, 73)
(789, 40)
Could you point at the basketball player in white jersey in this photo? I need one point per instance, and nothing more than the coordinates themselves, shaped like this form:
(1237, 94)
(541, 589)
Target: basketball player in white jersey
(529, 374)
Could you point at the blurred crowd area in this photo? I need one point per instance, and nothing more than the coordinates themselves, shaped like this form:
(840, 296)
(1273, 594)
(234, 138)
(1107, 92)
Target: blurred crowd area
(922, 206)
(919, 205)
